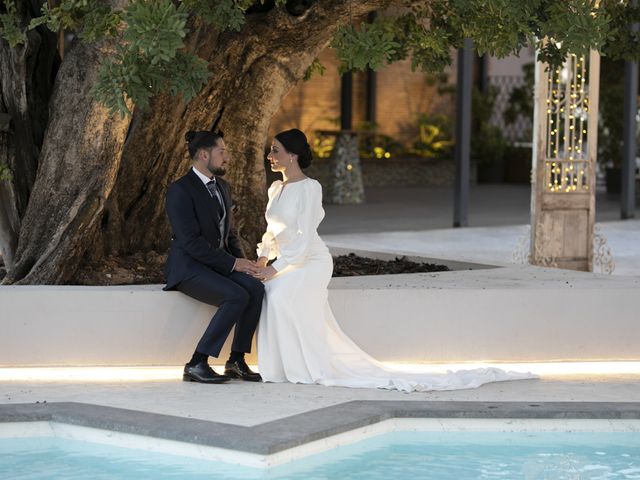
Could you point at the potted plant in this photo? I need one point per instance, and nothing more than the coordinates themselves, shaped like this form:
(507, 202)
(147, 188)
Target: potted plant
(434, 137)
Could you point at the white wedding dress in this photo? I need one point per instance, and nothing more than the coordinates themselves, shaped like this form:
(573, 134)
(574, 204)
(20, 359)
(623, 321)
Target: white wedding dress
(299, 340)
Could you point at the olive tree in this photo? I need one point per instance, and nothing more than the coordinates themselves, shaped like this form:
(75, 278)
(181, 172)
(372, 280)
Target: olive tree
(96, 96)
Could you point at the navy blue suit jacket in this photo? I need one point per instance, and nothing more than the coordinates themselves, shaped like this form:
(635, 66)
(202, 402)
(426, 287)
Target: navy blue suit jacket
(196, 235)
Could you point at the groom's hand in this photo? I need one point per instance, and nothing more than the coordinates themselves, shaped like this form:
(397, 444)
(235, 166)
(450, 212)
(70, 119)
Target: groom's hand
(245, 266)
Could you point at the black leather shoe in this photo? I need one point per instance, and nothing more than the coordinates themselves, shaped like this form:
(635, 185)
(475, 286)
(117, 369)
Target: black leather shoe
(202, 373)
(239, 369)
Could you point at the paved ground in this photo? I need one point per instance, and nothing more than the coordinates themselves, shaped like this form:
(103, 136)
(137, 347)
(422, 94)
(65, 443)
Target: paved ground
(393, 209)
(398, 220)
(499, 245)
(246, 404)
(418, 221)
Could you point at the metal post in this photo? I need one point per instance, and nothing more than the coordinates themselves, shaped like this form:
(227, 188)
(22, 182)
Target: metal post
(463, 135)
(372, 80)
(628, 197)
(371, 96)
(346, 98)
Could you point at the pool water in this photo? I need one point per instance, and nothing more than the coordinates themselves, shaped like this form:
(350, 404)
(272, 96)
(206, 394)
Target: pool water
(398, 455)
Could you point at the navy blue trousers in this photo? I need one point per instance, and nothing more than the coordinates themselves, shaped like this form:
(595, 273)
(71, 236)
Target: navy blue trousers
(239, 301)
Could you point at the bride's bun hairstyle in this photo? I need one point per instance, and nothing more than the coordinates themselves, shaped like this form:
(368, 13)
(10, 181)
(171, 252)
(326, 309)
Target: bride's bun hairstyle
(295, 141)
(201, 139)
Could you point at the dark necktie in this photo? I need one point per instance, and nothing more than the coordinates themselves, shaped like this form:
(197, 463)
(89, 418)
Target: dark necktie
(214, 191)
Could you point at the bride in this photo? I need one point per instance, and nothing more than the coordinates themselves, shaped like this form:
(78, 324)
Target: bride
(299, 340)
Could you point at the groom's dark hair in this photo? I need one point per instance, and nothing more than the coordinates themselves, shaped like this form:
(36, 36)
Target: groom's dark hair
(201, 139)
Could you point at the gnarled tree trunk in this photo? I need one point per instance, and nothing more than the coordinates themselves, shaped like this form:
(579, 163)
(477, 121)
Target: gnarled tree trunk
(100, 189)
(26, 81)
(78, 165)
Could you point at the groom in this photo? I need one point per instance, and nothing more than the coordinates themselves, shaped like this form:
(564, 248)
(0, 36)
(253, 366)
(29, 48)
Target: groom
(206, 261)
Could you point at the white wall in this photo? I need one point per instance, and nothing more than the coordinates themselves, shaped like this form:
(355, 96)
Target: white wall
(415, 321)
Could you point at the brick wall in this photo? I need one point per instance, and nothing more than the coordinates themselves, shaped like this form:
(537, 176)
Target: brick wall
(401, 96)
(312, 105)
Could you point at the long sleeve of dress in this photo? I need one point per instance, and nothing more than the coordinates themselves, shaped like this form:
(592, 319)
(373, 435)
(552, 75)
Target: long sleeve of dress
(267, 247)
(309, 216)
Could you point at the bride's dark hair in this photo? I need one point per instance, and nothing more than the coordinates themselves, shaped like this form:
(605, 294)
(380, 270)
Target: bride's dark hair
(295, 141)
(201, 139)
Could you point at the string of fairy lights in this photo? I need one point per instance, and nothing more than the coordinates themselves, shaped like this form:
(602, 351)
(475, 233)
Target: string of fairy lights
(567, 162)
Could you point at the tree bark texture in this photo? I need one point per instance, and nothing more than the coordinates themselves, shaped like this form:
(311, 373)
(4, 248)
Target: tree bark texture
(102, 181)
(26, 81)
(78, 165)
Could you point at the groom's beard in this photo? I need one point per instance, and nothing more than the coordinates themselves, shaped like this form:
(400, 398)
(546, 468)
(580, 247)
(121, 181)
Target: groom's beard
(218, 171)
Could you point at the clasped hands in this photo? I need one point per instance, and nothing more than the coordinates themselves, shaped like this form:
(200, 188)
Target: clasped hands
(257, 269)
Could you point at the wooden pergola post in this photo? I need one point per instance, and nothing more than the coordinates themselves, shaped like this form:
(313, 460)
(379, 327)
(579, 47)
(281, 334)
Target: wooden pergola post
(564, 156)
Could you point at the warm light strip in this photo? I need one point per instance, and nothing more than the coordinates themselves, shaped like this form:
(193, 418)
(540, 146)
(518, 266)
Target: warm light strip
(538, 368)
(154, 374)
(90, 374)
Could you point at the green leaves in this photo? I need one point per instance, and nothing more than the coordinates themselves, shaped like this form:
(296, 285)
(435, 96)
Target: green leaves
(150, 56)
(9, 28)
(151, 60)
(187, 74)
(5, 173)
(68, 14)
(315, 67)
(89, 19)
(371, 46)
(155, 29)
(223, 14)
(498, 27)
(120, 80)
(100, 22)
(573, 26)
(428, 48)
(624, 41)
(426, 31)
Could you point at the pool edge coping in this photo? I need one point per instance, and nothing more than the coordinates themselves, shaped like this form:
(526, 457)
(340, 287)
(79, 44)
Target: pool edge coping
(276, 436)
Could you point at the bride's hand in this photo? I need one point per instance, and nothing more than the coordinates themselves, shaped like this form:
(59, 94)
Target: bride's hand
(265, 273)
(262, 262)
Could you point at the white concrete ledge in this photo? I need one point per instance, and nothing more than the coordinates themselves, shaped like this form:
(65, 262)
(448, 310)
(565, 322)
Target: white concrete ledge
(514, 315)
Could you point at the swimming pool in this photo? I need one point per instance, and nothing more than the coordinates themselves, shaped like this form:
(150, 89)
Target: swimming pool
(587, 452)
